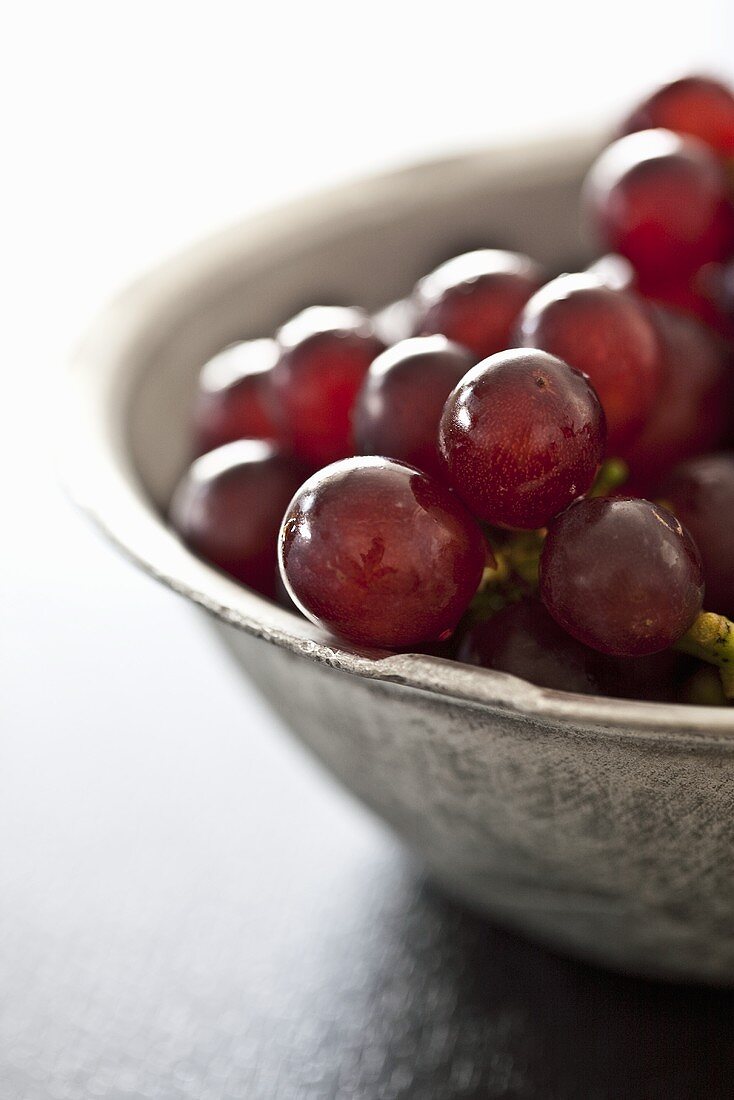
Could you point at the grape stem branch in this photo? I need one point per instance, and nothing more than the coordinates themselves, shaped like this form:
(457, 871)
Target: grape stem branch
(613, 473)
(711, 639)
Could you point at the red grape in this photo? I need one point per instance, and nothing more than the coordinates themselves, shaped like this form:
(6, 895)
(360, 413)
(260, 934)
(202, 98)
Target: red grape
(609, 336)
(621, 575)
(522, 436)
(692, 414)
(701, 295)
(325, 352)
(399, 407)
(232, 401)
(702, 493)
(476, 298)
(381, 554)
(228, 507)
(694, 105)
(681, 297)
(654, 677)
(523, 639)
(661, 200)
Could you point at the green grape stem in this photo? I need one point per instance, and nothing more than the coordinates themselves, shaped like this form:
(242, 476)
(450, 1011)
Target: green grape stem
(497, 589)
(711, 639)
(704, 688)
(522, 553)
(613, 472)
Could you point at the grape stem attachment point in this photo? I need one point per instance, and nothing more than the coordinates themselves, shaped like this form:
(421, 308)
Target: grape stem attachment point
(711, 639)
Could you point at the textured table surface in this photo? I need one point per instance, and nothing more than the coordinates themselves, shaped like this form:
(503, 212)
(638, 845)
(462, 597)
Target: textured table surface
(190, 910)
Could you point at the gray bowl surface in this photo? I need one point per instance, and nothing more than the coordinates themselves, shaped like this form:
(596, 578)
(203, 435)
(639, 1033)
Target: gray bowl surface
(601, 826)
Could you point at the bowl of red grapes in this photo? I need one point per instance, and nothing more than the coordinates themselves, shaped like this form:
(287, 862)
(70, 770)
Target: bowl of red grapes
(530, 471)
(448, 455)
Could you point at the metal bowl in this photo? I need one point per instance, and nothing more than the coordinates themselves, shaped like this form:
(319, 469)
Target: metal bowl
(601, 826)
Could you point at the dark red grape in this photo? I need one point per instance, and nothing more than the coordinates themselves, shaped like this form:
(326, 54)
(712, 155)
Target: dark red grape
(661, 200)
(522, 436)
(475, 299)
(693, 412)
(228, 507)
(694, 105)
(523, 639)
(609, 336)
(232, 401)
(708, 295)
(701, 295)
(701, 491)
(381, 554)
(614, 271)
(653, 677)
(399, 407)
(621, 575)
(325, 353)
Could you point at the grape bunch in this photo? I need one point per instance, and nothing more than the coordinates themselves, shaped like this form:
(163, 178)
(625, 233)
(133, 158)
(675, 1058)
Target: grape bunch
(520, 469)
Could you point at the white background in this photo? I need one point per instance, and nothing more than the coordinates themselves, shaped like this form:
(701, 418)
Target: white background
(130, 129)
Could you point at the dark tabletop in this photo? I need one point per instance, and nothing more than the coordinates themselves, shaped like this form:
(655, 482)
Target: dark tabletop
(189, 908)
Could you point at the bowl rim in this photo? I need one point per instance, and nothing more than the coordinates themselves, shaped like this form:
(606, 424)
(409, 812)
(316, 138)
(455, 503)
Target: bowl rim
(98, 472)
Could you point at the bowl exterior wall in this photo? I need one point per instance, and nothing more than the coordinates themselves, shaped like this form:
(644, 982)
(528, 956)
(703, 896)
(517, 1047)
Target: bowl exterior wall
(616, 847)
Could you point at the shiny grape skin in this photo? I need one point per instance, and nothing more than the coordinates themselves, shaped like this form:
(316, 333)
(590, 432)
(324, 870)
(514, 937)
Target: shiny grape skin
(621, 575)
(693, 412)
(661, 200)
(394, 322)
(398, 409)
(522, 435)
(228, 506)
(380, 554)
(701, 491)
(607, 334)
(476, 298)
(614, 271)
(232, 400)
(694, 105)
(325, 352)
(524, 640)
